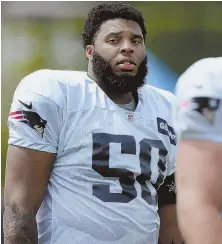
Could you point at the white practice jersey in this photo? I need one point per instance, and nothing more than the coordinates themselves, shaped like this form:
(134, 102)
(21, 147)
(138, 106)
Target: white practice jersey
(198, 110)
(109, 162)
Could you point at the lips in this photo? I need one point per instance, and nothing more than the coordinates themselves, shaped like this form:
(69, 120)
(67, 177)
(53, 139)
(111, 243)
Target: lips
(126, 64)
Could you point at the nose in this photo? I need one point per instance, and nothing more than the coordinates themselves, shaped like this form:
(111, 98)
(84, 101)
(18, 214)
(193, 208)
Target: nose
(127, 48)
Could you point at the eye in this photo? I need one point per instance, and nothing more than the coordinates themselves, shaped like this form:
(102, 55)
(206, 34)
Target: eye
(112, 41)
(137, 41)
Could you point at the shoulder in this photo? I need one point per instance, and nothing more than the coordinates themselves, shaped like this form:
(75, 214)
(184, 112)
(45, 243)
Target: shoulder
(52, 78)
(203, 78)
(203, 67)
(197, 113)
(52, 84)
(159, 95)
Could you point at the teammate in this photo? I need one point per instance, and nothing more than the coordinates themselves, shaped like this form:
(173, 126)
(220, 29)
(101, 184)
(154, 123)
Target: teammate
(198, 122)
(87, 151)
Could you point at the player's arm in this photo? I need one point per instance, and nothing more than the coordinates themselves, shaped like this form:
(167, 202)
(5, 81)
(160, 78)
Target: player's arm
(199, 191)
(169, 228)
(35, 123)
(27, 175)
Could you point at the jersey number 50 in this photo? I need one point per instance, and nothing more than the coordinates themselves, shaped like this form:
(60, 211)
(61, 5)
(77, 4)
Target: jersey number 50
(100, 163)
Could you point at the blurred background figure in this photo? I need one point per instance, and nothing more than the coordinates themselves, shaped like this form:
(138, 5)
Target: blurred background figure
(47, 35)
(198, 124)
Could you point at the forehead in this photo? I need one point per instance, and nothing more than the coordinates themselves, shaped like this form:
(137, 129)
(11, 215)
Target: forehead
(120, 25)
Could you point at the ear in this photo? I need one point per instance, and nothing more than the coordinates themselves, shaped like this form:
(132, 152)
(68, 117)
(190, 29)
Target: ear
(89, 51)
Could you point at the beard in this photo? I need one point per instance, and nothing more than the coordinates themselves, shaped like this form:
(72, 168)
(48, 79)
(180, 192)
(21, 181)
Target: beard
(117, 84)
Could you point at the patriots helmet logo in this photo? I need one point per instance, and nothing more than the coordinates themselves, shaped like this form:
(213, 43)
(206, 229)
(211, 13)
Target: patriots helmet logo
(32, 119)
(207, 107)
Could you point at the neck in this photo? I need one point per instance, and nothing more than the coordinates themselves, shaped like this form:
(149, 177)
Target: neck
(92, 76)
(122, 99)
(118, 99)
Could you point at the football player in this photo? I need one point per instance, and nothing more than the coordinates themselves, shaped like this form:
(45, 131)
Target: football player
(198, 122)
(88, 150)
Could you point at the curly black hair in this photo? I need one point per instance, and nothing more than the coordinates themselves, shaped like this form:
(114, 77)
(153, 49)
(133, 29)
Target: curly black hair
(103, 12)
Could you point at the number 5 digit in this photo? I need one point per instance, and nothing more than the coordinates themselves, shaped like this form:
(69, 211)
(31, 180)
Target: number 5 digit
(100, 163)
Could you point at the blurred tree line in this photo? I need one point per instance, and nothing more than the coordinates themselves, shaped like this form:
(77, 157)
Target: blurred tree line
(180, 33)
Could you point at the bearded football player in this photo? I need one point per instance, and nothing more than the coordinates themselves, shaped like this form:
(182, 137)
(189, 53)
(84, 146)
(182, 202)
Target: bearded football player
(89, 150)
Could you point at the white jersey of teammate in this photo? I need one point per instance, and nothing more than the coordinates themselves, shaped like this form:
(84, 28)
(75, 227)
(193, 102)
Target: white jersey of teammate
(198, 110)
(109, 162)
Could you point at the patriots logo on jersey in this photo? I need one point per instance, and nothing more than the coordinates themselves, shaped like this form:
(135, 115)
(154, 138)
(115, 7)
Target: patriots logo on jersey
(206, 106)
(32, 119)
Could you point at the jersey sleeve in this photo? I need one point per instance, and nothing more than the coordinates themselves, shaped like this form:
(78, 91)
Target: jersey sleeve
(198, 110)
(36, 116)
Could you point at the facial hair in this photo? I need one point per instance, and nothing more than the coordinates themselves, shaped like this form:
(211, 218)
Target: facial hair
(117, 84)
